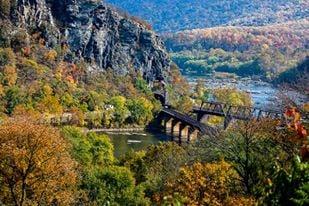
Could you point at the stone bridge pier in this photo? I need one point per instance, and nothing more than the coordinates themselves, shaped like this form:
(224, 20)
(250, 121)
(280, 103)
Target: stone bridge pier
(180, 131)
(168, 125)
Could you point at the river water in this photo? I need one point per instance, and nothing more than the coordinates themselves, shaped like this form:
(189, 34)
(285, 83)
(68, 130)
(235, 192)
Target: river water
(264, 95)
(126, 141)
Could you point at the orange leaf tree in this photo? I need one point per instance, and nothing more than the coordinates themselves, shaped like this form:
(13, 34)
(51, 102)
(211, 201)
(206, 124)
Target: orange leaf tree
(208, 184)
(35, 166)
(297, 132)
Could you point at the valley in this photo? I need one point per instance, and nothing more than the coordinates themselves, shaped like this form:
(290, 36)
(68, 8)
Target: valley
(154, 102)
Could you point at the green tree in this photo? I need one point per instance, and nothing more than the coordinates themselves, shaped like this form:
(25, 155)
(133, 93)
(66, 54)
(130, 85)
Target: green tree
(252, 151)
(12, 97)
(140, 111)
(103, 181)
(201, 94)
(232, 96)
(135, 161)
(90, 149)
(142, 86)
(94, 100)
(121, 112)
(162, 165)
(115, 186)
(184, 104)
(289, 185)
(250, 68)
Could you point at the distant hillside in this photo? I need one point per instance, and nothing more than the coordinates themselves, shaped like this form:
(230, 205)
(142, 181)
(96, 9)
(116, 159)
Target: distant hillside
(176, 15)
(270, 49)
(296, 78)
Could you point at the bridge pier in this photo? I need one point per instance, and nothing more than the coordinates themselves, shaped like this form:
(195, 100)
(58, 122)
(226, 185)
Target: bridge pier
(181, 127)
(168, 125)
(227, 121)
(184, 134)
(193, 134)
(175, 129)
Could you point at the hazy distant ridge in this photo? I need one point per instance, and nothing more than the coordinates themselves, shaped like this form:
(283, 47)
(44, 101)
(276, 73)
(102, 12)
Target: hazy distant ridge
(175, 15)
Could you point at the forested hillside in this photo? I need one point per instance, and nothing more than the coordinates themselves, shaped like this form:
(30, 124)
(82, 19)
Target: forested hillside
(70, 70)
(296, 78)
(52, 64)
(175, 15)
(267, 50)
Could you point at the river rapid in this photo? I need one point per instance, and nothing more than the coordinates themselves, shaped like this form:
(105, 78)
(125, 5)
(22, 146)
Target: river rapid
(264, 95)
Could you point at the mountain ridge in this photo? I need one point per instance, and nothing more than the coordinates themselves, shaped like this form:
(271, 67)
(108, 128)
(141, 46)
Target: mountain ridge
(171, 15)
(271, 49)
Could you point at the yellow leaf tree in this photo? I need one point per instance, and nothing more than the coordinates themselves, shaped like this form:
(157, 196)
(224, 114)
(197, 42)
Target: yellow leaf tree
(35, 165)
(208, 184)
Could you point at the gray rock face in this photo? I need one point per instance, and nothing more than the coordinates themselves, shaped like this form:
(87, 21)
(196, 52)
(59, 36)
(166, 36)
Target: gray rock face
(96, 32)
(32, 15)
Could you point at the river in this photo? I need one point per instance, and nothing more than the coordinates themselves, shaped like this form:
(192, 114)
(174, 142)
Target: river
(126, 141)
(263, 94)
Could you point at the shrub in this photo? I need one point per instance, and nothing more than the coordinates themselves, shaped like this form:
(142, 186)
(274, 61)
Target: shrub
(5, 8)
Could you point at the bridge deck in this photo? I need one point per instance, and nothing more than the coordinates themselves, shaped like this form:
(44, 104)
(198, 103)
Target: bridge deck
(204, 129)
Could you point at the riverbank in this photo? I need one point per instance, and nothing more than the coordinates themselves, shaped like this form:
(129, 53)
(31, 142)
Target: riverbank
(133, 129)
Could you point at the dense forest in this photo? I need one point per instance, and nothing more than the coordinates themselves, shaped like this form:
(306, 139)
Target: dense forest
(177, 15)
(251, 163)
(296, 78)
(265, 51)
(38, 80)
(51, 99)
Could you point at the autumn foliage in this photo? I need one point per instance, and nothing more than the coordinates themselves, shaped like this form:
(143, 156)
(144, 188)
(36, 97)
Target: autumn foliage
(35, 165)
(246, 51)
(208, 184)
(294, 124)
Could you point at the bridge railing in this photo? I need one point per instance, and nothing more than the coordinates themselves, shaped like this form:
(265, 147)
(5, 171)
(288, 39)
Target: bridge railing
(243, 112)
(238, 112)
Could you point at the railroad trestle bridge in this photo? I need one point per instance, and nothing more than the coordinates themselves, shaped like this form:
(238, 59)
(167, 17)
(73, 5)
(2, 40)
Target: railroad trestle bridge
(184, 128)
(231, 112)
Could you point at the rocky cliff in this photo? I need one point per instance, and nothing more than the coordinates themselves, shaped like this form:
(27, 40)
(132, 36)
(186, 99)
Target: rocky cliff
(95, 32)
